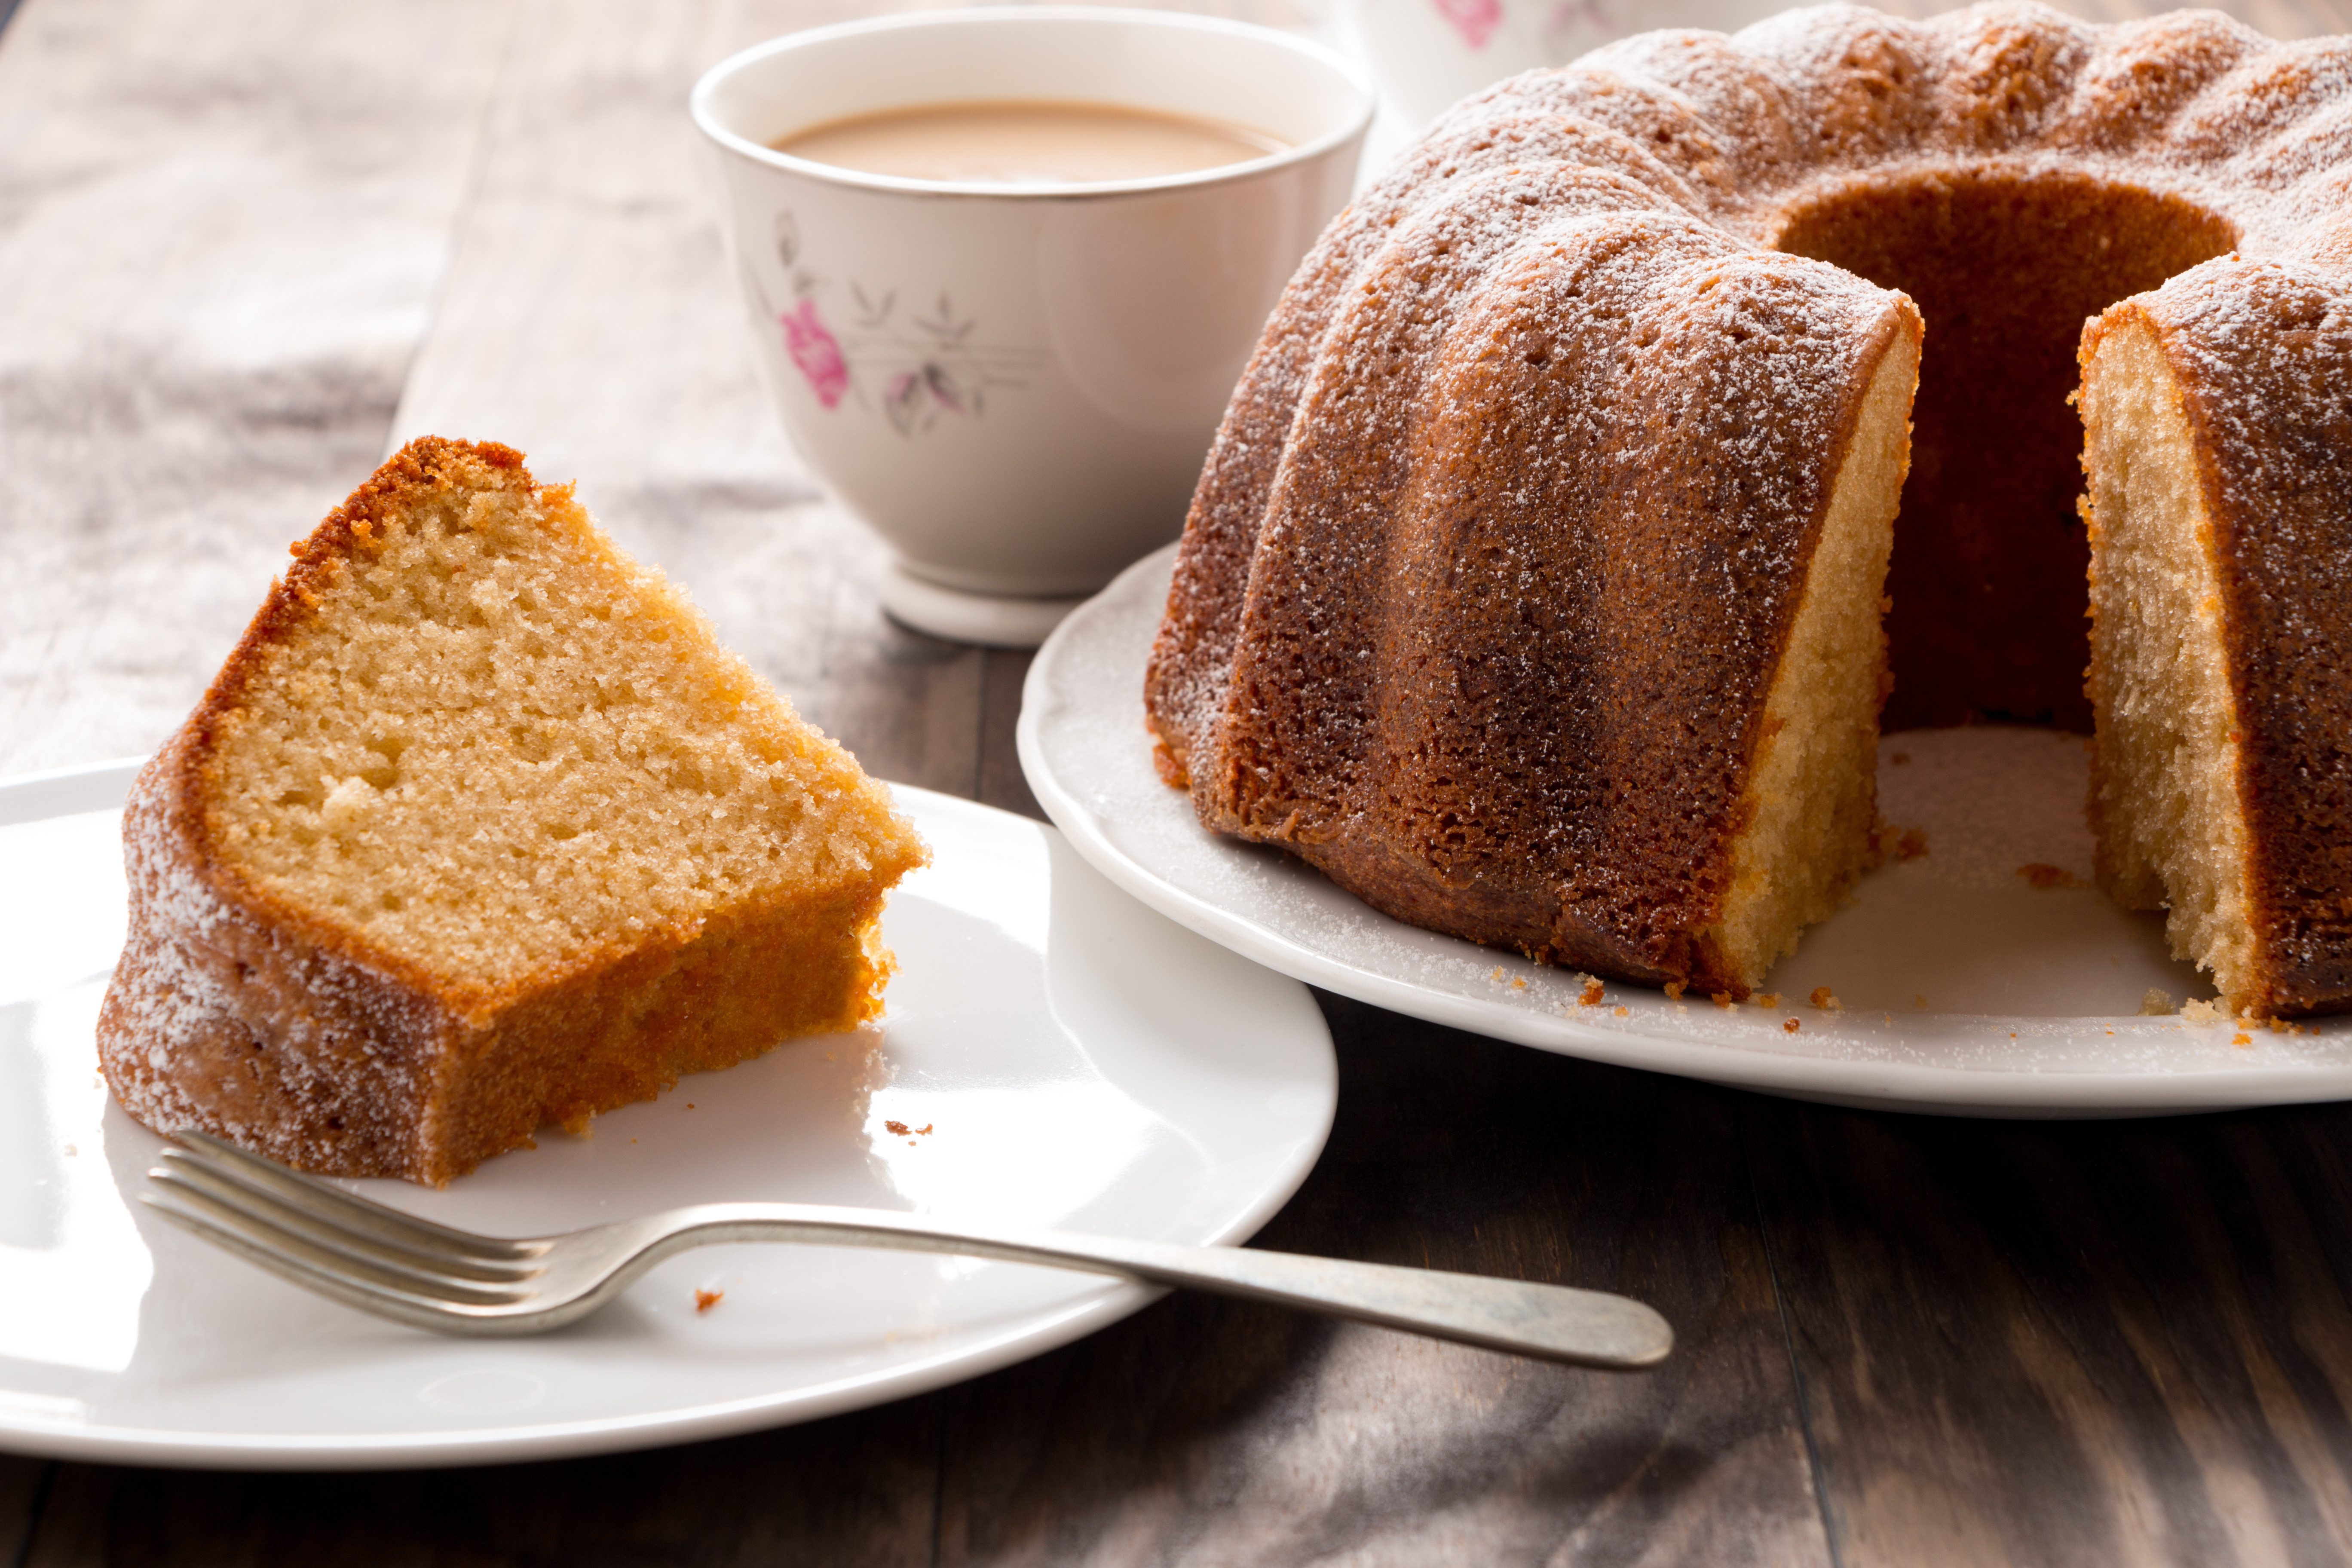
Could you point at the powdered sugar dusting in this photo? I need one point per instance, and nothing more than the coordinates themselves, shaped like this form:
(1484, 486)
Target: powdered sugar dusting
(1557, 319)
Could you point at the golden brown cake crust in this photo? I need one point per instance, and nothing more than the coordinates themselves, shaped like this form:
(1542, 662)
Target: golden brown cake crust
(1368, 659)
(239, 1011)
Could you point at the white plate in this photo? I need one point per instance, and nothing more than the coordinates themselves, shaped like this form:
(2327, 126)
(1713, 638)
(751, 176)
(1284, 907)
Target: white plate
(1080, 1062)
(1965, 990)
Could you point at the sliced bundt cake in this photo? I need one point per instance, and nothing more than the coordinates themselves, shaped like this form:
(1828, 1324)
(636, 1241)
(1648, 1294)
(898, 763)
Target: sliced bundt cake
(481, 829)
(1496, 600)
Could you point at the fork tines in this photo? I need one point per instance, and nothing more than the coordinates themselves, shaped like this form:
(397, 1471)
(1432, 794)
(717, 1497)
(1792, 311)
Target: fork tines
(320, 1237)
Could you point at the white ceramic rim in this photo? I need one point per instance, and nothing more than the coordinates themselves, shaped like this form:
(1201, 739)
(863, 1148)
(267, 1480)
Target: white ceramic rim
(97, 786)
(1340, 66)
(1263, 936)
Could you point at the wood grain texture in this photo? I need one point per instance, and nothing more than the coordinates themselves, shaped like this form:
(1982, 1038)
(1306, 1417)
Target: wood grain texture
(24, 1483)
(854, 1492)
(2071, 1344)
(1213, 1432)
(1001, 783)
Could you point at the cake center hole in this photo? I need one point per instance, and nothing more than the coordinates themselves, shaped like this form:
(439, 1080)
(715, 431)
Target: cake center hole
(1990, 555)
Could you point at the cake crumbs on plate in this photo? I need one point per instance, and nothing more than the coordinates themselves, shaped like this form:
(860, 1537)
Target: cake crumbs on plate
(1675, 989)
(2043, 877)
(706, 1299)
(1826, 1000)
(1623, 1012)
(1770, 1001)
(1591, 993)
(1720, 998)
(1792, 1025)
(2242, 1040)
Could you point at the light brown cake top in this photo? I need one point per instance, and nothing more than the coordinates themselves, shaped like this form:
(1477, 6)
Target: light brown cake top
(1749, 135)
(469, 734)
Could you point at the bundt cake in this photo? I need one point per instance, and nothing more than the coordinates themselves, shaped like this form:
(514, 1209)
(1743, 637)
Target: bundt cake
(480, 829)
(1533, 587)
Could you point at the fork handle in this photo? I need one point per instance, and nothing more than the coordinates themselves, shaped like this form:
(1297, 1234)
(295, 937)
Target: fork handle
(1553, 1323)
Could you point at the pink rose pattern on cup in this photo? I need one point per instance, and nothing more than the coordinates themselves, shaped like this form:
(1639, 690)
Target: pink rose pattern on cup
(928, 366)
(816, 351)
(1475, 20)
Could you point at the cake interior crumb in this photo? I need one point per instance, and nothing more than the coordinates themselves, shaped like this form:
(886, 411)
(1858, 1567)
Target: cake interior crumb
(2164, 780)
(499, 741)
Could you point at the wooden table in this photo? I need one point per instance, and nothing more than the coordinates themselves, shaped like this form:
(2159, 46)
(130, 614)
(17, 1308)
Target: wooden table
(245, 245)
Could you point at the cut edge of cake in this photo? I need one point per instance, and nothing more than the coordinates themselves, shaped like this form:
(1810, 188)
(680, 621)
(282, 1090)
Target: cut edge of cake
(246, 1006)
(1811, 800)
(2166, 763)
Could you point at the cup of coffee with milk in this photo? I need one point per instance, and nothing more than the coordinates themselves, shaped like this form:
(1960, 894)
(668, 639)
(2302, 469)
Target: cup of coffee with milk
(1003, 267)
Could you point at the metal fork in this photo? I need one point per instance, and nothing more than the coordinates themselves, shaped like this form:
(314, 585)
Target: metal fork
(453, 1281)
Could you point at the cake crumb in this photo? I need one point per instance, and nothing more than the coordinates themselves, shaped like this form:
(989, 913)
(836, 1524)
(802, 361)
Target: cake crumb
(2197, 1012)
(1769, 1000)
(2242, 1040)
(1913, 845)
(1900, 759)
(1591, 993)
(1497, 974)
(1675, 989)
(706, 1299)
(2044, 878)
(2156, 1003)
(1720, 998)
(1826, 999)
(1792, 1025)
(1518, 983)
(1623, 1012)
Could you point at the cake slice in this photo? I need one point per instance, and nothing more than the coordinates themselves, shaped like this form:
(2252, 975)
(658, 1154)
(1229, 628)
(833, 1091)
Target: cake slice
(481, 829)
(2217, 456)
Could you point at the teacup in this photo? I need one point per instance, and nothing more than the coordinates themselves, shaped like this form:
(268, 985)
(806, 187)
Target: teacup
(1015, 385)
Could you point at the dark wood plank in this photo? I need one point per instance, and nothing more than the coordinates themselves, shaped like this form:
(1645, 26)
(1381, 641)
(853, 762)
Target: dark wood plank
(1205, 1431)
(23, 1483)
(2092, 1342)
(854, 1492)
(1001, 783)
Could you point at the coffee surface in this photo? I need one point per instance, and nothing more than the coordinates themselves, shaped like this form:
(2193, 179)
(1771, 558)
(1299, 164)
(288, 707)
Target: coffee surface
(1027, 143)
